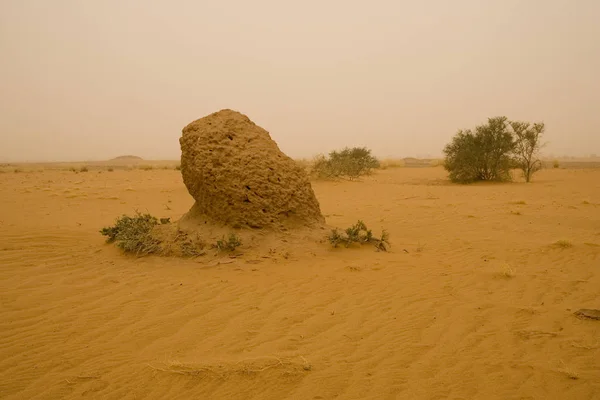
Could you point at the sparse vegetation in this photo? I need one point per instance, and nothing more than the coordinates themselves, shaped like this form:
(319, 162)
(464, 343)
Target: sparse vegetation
(359, 234)
(490, 151)
(84, 169)
(563, 244)
(147, 167)
(482, 155)
(188, 246)
(18, 170)
(142, 234)
(134, 234)
(556, 164)
(391, 163)
(349, 163)
(229, 243)
(178, 167)
(527, 146)
(110, 169)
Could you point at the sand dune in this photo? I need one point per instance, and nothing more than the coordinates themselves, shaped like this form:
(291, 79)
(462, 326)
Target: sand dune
(474, 301)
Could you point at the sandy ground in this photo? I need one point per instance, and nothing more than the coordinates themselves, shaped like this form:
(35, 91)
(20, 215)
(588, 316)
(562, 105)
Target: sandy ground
(475, 300)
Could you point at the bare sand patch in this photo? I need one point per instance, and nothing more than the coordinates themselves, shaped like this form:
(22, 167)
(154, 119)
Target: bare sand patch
(470, 302)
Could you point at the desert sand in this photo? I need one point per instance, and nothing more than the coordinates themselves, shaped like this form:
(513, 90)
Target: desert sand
(475, 299)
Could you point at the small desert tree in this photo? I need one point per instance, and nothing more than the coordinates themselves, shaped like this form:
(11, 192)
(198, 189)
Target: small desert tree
(482, 155)
(527, 146)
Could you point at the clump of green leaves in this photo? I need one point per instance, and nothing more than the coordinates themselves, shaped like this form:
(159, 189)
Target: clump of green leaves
(134, 234)
(528, 142)
(481, 155)
(360, 234)
(490, 151)
(229, 243)
(349, 163)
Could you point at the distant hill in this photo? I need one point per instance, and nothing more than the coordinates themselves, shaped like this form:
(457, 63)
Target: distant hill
(127, 158)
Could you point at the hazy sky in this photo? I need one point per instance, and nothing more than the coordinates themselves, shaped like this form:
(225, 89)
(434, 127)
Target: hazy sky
(94, 79)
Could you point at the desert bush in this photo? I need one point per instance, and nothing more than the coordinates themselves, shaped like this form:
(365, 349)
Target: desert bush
(110, 169)
(84, 169)
(134, 234)
(391, 163)
(360, 234)
(178, 167)
(482, 155)
(18, 170)
(147, 167)
(230, 243)
(527, 146)
(349, 163)
(556, 164)
(491, 150)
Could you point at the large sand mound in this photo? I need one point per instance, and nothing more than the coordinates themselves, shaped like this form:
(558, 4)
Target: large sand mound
(239, 177)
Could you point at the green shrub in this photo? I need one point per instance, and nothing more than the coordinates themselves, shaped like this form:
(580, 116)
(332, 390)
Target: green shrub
(230, 243)
(134, 234)
(483, 155)
(349, 163)
(360, 234)
(489, 152)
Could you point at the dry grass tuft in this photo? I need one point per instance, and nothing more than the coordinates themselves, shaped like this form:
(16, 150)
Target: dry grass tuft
(563, 244)
(507, 271)
(391, 163)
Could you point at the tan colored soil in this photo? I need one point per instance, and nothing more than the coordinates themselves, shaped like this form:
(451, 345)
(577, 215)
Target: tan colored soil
(474, 301)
